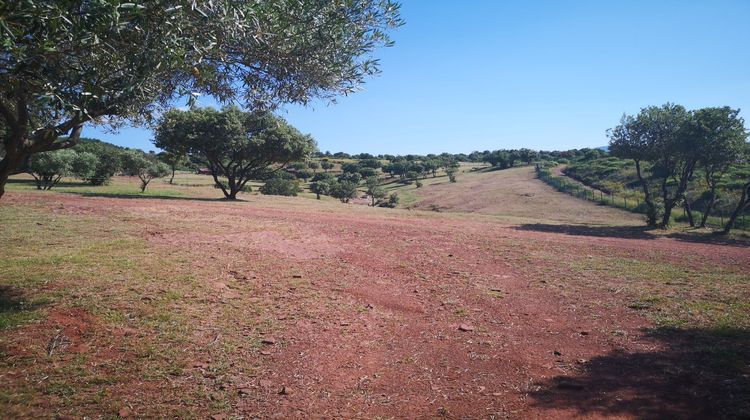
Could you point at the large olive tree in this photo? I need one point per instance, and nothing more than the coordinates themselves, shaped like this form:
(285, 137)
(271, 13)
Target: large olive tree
(68, 62)
(237, 146)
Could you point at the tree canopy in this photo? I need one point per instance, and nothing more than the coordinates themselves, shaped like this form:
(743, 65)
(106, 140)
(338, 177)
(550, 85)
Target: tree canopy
(668, 143)
(65, 63)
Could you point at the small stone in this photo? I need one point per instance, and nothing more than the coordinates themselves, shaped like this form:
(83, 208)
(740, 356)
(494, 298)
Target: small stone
(218, 417)
(584, 333)
(265, 353)
(344, 323)
(200, 364)
(582, 361)
(124, 412)
(245, 391)
(268, 341)
(284, 390)
(297, 276)
(450, 255)
(466, 327)
(265, 383)
(495, 289)
(557, 353)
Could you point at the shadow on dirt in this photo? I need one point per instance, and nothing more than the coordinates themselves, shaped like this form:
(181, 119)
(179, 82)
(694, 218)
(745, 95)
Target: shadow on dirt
(635, 232)
(695, 373)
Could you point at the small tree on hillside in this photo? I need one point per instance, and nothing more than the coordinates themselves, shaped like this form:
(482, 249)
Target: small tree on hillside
(49, 167)
(314, 166)
(344, 190)
(326, 165)
(374, 190)
(84, 165)
(451, 171)
(321, 187)
(108, 163)
(236, 145)
(137, 164)
(174, 161)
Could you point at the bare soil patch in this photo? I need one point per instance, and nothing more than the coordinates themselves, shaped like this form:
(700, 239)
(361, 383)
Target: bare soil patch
(325, 310)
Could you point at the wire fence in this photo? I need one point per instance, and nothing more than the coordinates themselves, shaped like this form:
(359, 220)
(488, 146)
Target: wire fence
(631, 200)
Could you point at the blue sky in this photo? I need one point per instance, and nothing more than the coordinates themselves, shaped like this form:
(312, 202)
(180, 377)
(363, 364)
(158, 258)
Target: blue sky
(552, 75)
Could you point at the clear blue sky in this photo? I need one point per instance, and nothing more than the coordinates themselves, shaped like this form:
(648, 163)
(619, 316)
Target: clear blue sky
(550, 75)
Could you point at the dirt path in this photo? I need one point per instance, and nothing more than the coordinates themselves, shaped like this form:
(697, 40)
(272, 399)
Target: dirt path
(360, 312)
(515, 193)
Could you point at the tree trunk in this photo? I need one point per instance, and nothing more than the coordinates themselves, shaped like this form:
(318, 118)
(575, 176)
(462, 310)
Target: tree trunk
(741, 205)
(689, 212)
(171, 180)
(4, 174)
(7, 167)
(709, 207)
(647, 198)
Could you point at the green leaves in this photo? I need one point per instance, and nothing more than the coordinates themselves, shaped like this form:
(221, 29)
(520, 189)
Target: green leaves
(235, 144)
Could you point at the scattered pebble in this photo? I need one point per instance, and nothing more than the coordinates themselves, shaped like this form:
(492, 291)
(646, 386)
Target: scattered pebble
(466, 327)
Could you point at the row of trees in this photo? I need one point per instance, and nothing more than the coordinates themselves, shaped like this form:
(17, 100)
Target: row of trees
(670, 145)
(520, 155)
(94, 163)
(411, 170)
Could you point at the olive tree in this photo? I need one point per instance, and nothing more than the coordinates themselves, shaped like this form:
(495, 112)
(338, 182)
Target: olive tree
(137, 164)
(659, 136)
(49, 167)
(174, 160)
(451, 171)
(722, 138)
(344, 190)
(68, 63)
(743, 203)
(671, 142)
(235, 145)
(374, 189)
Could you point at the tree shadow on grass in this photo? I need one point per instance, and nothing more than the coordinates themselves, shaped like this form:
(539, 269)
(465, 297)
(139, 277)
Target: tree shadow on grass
(696, 373)
(634, 232)
(629, 232)
(14, 307)
(153, 197)
(32, 183)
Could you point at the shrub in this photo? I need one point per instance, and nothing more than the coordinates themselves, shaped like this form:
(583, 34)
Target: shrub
(278, 186)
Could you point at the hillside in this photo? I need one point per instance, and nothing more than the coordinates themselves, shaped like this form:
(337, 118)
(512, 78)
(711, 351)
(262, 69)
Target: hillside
(515, 194)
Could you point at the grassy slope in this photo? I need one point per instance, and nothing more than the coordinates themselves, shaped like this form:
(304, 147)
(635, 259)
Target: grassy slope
(512, 193)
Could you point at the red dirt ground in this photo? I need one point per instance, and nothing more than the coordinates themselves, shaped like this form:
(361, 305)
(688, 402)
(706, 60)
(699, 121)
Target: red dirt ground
(380, 313)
